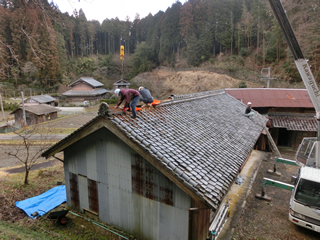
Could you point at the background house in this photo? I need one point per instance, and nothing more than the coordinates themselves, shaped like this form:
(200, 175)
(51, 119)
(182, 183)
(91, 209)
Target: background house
(291, 112)
(85, 89)
(164, 174)
(35, 114)
(122, 84)
(40, 99)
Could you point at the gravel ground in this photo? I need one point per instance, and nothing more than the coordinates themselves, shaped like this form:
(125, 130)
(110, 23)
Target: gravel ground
(269, 220)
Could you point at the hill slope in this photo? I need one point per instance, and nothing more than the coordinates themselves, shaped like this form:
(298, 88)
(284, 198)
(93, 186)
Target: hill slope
(163, 82)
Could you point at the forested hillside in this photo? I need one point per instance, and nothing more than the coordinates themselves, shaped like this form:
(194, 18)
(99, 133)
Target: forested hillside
(45, 48)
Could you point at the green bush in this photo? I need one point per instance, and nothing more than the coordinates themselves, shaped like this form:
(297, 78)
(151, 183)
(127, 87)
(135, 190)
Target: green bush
(10, 106)
(243, 52)
(242, 85)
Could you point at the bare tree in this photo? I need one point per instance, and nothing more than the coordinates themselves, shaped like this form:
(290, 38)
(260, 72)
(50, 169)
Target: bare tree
(34, 140)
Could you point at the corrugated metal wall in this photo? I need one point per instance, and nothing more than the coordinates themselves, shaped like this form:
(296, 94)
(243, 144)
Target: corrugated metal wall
(132, 194)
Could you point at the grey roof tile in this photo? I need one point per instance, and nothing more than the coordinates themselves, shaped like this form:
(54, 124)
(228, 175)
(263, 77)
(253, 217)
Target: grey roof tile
(202, 142)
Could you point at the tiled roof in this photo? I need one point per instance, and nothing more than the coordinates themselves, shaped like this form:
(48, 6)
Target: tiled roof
(272, 97)
(94, 92)
(39, 109)
(91, 81)
(203, 139)
(294, 122)
(43, 98)
(122, 82)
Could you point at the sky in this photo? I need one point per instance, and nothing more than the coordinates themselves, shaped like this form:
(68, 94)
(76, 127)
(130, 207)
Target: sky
(103, 9)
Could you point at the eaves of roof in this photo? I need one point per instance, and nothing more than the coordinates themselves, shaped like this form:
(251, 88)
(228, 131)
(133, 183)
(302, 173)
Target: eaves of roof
(38, 109)
(94, 92)
(201, 139)
(294, 122)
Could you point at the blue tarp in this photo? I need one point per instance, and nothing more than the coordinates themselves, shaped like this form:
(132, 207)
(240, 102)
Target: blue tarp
(44, 202)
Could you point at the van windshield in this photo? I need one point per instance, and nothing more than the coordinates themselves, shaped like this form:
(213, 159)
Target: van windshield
(308, 193)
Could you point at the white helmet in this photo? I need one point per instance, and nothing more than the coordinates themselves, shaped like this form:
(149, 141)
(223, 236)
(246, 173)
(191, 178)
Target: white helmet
(117, 91)
(140, 88)
(249, 103)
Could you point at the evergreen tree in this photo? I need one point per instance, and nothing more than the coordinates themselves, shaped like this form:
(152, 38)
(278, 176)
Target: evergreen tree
(170, 36)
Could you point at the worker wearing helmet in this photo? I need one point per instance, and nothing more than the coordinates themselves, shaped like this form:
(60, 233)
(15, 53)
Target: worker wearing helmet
(248, 111)
(131, 97)
(145, 95)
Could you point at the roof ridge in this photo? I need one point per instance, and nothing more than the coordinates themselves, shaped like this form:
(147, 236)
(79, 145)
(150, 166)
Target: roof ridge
(190, 97)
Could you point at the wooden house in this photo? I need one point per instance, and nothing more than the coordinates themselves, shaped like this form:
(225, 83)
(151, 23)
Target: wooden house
(291, 112)
(122, 84)
(40, 99)
(85, 89)
(35, 114)
(164, 174)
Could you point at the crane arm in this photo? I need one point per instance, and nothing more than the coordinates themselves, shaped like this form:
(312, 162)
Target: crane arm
(300, 61)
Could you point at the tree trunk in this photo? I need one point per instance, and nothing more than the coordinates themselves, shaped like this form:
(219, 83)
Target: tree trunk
(258, 30)
(27, 174)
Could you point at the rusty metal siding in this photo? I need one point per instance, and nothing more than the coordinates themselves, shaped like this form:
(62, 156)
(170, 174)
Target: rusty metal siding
(74, 190)
(147, 182)
(159, 211)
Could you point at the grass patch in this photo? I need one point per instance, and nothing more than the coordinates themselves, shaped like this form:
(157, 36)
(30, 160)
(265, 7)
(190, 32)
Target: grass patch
(15, 224)
(12, 231)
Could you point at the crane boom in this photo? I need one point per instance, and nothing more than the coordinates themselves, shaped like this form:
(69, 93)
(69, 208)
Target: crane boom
(300, 61)
(302, 65)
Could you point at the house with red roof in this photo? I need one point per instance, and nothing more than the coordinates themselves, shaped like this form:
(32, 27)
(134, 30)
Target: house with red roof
(291, 112)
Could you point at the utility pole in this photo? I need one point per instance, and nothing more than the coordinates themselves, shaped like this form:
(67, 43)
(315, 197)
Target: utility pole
(266, 76)
(24, 113)
(2, 107)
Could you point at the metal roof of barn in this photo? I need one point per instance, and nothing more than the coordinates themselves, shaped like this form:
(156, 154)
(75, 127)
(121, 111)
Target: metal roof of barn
(94, 92)
(89, 80)
(272, 97)
(42, 98)
(193, 139)
(38, 109)
(294, 122)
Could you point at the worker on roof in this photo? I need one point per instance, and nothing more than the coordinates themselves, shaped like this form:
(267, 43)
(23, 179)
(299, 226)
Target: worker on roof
(248, 111)
(145, 95)
(131, 97)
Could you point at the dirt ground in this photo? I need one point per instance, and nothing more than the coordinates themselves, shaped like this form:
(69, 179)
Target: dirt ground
(269, 220)
(163, 82)
(72, 121)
